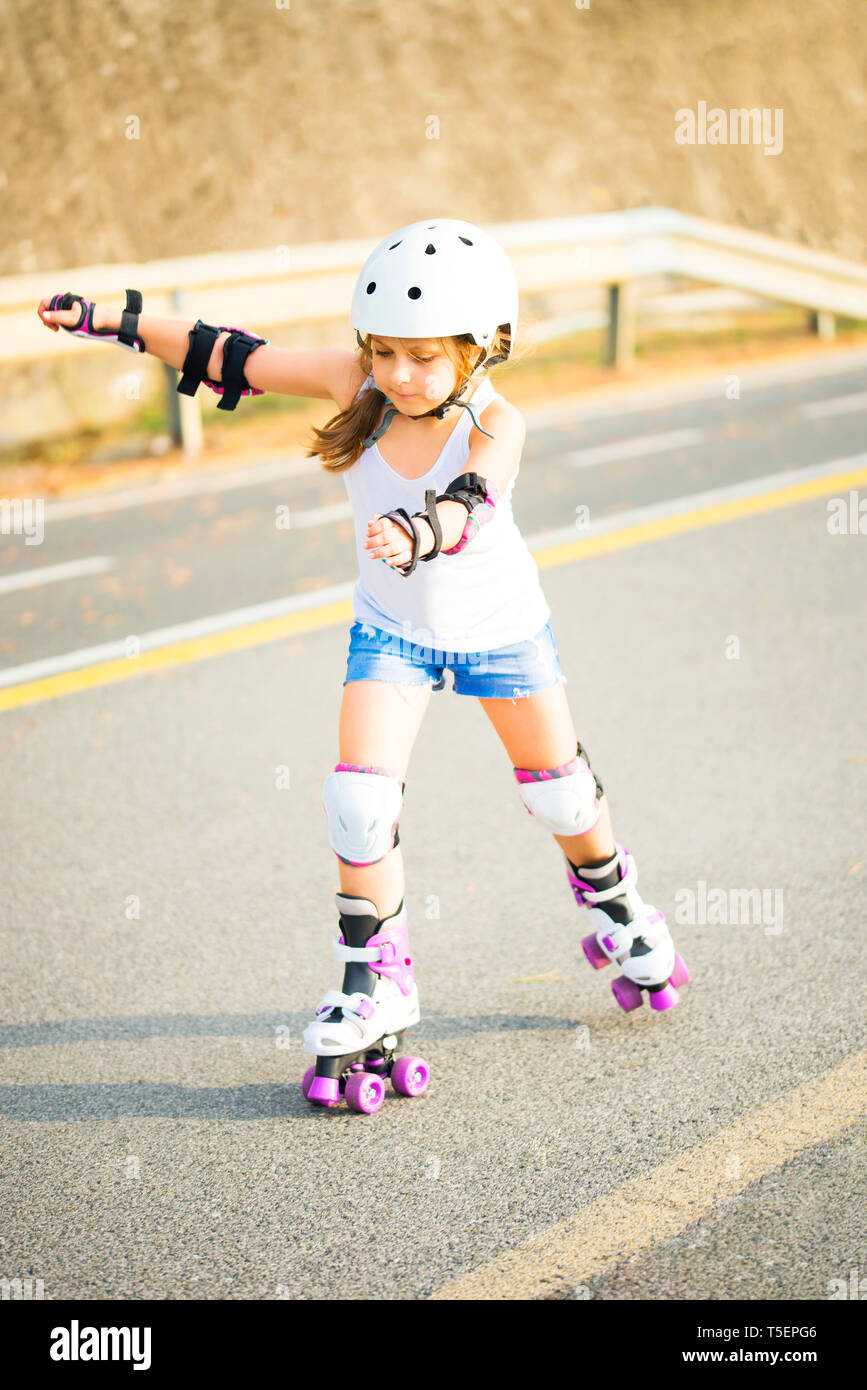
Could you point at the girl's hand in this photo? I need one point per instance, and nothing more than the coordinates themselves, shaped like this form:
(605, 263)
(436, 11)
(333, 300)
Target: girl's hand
(55, 319)
(389, 542)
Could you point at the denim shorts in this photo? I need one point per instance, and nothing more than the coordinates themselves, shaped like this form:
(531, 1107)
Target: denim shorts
(510, 673)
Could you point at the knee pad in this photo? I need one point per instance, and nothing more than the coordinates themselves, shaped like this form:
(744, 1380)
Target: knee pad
(565, 800)
(363, 805)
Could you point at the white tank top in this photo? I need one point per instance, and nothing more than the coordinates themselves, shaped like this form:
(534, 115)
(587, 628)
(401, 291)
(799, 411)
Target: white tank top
(487, 596)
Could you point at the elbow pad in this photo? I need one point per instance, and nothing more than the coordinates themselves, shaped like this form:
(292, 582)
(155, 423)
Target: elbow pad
(236, 350)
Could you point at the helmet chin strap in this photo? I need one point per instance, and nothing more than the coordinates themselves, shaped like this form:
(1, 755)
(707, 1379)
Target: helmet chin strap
(439, 410)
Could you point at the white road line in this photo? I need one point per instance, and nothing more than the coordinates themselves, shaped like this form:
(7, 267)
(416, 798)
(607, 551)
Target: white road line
(319, 516)
(837, 405)
(148, 494)
(50, 574)
(637, 447)
(163, 637)
(711, 384)
(73, 569)
(298, 603)
(296, 465)
(693, 501)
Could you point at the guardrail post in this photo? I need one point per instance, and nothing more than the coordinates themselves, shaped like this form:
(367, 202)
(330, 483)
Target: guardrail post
(173, 407)
(620, 349)
(823, 323)
(185, 413)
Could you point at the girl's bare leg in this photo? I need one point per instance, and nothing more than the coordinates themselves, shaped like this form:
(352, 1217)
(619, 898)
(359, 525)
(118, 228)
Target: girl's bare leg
(596, 844)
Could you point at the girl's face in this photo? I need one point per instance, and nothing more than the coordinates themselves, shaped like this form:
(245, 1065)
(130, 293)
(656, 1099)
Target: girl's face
(415, 373)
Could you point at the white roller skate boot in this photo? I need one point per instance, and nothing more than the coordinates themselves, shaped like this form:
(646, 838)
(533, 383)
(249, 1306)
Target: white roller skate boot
(357, 1029)
(628, 932)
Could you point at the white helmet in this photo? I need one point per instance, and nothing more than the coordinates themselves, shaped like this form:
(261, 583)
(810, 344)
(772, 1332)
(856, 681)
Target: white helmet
(434, 280)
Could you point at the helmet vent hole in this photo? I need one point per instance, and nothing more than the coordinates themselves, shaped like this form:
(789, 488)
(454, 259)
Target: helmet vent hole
(396, 243)
(371, 287)
(430, 250)
(465, 240)
(414, 292)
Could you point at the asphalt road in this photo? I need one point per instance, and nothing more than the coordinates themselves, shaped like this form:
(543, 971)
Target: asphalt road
(168, 909)
(186, 550)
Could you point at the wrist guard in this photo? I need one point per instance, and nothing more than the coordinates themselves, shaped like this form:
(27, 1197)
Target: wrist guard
(127, 335)
(478, 495)
(236, 350)
(402, 518)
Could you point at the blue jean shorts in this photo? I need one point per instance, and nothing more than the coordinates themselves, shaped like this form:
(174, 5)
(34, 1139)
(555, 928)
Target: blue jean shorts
(509, 673)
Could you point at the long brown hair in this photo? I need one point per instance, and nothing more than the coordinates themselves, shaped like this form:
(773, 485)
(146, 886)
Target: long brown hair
(339, 442)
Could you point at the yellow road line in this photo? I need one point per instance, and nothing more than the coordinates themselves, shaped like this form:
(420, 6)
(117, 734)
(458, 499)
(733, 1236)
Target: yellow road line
(176, 654)
(274, 629)
(655, 1207)
(702, 516)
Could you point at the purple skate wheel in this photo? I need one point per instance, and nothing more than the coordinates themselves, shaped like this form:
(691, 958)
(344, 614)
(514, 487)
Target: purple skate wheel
(664, 998)
(364, 1092)
(307, 1081)
(626, 992)
(680, 973)
(410, 1075)
(594, 952)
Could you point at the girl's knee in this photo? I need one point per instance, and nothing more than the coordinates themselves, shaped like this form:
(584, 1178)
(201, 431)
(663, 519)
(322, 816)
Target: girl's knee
(379, 723)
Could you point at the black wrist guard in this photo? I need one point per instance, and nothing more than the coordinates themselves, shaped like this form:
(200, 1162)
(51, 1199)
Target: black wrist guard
(129, 334)
(403, 519)
(469, 488)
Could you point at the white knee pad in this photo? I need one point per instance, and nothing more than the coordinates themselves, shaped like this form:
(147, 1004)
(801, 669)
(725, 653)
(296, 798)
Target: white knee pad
(363, 808)
(565, 805)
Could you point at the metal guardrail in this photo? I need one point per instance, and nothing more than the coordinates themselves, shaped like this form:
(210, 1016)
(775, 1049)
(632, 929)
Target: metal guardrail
(313, 283)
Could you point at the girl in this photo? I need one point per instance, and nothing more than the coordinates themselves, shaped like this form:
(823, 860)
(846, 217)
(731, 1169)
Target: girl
(454, 584)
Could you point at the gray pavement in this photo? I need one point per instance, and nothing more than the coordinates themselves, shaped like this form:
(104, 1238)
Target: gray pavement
(167, 917)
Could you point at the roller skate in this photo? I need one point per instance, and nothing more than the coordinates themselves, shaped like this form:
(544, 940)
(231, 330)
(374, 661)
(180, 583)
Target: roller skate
(628, 933)
(357, 1030)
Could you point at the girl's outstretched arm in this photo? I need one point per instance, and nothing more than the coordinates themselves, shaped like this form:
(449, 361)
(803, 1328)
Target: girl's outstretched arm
(326, 373)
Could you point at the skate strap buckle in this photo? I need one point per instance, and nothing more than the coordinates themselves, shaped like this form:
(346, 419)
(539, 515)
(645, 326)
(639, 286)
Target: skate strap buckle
(354, 1004)
(342, 952)
(334, 999)
(603, 895)
(618, 940)
(653, 925)
(358, 1005)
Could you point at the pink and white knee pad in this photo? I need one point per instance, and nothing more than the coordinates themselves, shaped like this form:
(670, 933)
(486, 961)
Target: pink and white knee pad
(565, 800)
(363, 805)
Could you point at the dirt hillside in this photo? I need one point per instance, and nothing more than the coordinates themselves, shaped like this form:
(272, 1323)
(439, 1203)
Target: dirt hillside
(285, 121)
